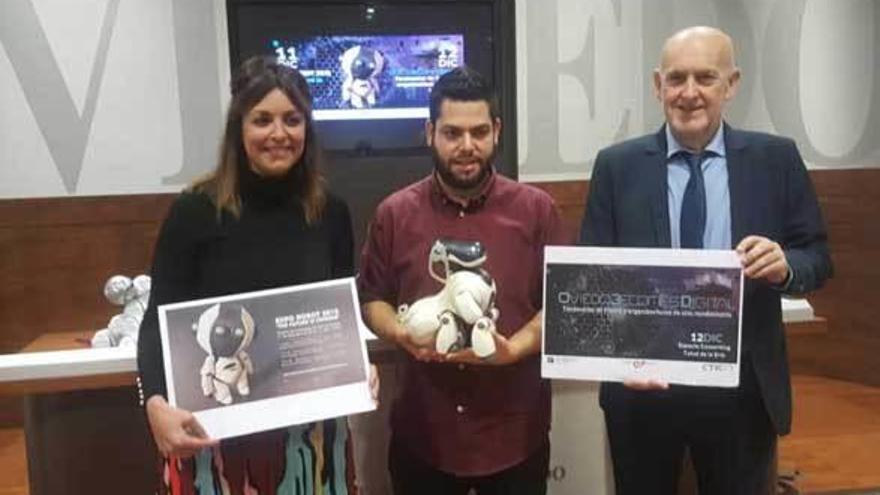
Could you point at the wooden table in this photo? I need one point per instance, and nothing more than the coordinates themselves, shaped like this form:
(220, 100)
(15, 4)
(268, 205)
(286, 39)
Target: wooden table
(63, 341)
(85, 431)
(118, 370)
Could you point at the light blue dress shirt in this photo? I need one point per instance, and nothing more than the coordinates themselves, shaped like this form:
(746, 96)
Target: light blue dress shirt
(717, 233)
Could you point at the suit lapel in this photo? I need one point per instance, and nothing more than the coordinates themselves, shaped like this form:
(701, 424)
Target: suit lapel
(656, 171)
(737, 181)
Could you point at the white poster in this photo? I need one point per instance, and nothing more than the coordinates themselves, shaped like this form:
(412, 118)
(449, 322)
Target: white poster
(616, 314)
(255, 361)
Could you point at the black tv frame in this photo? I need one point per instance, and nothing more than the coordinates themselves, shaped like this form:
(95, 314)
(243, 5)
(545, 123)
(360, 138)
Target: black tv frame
(503, 73)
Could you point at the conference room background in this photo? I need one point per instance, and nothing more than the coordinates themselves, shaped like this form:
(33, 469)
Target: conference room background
(109, 107)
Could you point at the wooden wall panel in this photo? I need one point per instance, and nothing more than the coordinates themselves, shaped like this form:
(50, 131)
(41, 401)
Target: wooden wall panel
(55, 255)
(570, 197)
(851, 349)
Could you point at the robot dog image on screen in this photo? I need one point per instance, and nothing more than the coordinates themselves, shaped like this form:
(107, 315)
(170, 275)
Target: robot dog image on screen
(225, 331)
(362, 66)
(463, 312)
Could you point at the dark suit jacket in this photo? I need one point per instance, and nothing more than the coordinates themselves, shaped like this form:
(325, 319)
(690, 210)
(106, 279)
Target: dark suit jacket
(770, 195)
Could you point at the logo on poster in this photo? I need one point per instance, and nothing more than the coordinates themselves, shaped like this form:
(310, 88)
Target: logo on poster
(716, 368)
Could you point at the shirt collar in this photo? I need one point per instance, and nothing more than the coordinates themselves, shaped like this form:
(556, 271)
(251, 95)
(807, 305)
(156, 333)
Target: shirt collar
(715, 147)
(469, 204)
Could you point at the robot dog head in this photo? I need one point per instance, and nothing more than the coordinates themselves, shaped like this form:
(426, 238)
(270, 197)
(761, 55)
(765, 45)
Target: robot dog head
(223, 330)
(362, 63)
(456, 255)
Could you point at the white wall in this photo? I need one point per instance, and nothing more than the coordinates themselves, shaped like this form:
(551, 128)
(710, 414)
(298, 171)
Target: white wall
(119, 97)
(126, 96)
(108, 96)
(811, 70)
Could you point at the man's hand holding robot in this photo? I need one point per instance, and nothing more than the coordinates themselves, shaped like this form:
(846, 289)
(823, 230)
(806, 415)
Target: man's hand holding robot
(457, 323)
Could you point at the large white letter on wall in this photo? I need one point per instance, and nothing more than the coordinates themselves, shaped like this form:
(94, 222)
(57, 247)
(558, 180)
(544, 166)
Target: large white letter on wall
(579, 83)
(106, 96)
(811, 71)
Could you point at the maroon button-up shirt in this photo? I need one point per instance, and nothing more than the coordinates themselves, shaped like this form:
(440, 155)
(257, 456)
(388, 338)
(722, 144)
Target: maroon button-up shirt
(466, 420)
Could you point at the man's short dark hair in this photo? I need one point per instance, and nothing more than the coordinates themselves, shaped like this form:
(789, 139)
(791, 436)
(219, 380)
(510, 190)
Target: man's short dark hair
(462, 84)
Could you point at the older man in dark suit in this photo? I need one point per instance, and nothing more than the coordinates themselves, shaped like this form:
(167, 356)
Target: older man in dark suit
(699, 183)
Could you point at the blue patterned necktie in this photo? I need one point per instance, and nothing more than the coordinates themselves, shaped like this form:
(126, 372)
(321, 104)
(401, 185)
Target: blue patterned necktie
(693, 204)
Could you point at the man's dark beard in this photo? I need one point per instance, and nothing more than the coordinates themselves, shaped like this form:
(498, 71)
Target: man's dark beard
(454, 182)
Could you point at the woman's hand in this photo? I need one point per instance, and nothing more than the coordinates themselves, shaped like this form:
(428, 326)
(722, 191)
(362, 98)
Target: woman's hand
(176, 431)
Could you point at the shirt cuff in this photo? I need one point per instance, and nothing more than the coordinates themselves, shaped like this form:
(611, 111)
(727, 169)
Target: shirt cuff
(786, 284)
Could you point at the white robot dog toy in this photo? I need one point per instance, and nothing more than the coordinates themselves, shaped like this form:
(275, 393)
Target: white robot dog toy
(362, 67)
(464, 311)
(133, 295)
(225, 331)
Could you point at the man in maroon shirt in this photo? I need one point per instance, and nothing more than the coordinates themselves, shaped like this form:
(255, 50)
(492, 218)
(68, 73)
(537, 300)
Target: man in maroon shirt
(462, 422)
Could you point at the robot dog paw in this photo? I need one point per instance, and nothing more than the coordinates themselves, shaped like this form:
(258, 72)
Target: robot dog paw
(448, 337)
(482, 340)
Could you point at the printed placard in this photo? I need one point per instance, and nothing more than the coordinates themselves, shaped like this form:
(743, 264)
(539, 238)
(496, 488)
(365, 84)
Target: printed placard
(255, 361)
(616, 314)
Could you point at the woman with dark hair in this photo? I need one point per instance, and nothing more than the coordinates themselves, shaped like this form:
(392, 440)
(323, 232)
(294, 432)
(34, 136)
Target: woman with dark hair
(261, 219)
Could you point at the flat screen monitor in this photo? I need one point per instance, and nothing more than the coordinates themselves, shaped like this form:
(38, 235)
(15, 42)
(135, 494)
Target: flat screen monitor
(373, 77)
(370, 67)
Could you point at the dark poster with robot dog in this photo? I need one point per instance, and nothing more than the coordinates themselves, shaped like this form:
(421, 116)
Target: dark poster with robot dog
(617, 314)
(269, 358)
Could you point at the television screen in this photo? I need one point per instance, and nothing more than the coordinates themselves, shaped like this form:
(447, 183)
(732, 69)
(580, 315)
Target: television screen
(356, 77)
(370, 67)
